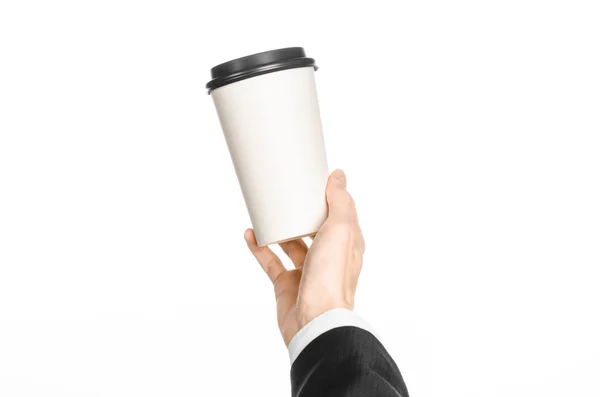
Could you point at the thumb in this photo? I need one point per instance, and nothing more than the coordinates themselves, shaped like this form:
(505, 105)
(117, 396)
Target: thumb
(339, 201)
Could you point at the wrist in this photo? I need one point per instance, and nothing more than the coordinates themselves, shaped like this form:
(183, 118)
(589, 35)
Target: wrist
(306, 315)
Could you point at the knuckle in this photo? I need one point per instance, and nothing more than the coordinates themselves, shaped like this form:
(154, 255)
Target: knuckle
(270, 265)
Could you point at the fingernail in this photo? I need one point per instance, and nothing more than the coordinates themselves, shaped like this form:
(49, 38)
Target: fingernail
(341, 176)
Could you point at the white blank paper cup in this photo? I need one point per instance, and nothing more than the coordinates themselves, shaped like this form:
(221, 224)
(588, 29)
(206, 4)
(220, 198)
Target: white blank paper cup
(271, 122)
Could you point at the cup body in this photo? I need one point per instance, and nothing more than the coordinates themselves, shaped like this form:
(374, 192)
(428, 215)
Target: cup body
(272, 126)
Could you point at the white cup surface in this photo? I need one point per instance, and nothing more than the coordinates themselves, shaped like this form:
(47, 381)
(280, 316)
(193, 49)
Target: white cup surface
(273, 130)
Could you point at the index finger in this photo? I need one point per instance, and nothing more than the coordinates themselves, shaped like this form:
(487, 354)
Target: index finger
(266, 258)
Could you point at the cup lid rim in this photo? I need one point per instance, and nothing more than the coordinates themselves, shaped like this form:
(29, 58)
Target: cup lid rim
(258, 64)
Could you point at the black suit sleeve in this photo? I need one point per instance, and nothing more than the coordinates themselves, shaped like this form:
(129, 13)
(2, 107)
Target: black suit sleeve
(348, 362)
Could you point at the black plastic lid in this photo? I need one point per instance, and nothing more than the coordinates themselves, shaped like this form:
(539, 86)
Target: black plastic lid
(257, 64)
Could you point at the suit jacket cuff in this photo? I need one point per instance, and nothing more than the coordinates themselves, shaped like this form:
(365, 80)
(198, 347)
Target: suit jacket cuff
(329, 320)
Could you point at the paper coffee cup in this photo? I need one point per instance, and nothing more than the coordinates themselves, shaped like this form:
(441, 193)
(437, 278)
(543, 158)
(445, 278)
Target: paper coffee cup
(268, 109)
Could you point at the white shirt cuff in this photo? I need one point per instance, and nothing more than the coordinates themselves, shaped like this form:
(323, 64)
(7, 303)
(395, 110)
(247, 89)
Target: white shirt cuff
(327, 321)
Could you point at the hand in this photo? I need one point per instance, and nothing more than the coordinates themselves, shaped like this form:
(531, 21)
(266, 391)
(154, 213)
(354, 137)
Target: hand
(325, 276)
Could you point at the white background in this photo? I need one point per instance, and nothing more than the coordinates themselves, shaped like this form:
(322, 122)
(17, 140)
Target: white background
(469, 131)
